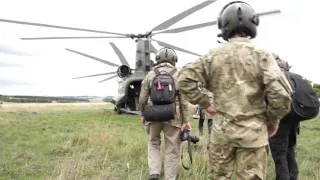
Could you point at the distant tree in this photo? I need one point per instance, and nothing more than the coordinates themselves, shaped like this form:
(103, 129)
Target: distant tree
(316, 87)
(107, 99)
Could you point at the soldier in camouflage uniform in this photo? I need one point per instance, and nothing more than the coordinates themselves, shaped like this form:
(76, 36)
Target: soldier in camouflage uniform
(203, 114)
(250, 96)
(166, 60)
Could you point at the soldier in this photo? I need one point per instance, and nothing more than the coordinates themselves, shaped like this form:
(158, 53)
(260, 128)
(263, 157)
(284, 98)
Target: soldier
(250, 96)
(282, 144)
(166, 59)
(203, 115)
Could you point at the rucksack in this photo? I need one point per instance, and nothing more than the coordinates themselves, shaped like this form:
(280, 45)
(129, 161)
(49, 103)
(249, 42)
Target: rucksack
(163, 89)
(305, 103)
(163, 97)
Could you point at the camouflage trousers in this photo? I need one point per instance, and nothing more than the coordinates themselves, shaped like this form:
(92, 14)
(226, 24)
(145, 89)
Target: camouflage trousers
(171, 146)
(245, 163)
(203, 116)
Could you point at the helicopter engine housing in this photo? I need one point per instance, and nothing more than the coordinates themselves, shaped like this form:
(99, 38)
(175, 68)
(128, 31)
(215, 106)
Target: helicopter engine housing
(123, 71)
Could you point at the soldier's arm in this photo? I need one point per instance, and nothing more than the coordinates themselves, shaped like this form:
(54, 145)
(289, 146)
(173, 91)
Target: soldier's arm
(184, 108)
(277, 89)
(144, 94)
(209, 95)
(188, 80)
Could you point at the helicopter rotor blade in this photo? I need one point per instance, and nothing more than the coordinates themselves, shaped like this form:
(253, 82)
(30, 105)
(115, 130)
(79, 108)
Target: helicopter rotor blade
(83, 37)
(108, 78)
(188, 28)
(153, 49)
(92, 57)
(101, 74)
(175, 47)
(201, 25)
(269, 12)
(60, 27)
(182, 15)
(120, 55)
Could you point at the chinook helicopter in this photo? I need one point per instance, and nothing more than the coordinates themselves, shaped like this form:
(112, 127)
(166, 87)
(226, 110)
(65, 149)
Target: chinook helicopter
(129, 86)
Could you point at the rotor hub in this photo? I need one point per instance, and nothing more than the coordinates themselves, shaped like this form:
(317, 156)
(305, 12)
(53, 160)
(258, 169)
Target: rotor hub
(139, 36)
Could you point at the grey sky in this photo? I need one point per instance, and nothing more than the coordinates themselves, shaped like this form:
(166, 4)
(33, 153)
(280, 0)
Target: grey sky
(50, 69)
(4, 64)
(9, 83)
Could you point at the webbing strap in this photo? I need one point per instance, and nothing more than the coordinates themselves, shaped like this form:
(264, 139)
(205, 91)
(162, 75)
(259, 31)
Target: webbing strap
(190, 156)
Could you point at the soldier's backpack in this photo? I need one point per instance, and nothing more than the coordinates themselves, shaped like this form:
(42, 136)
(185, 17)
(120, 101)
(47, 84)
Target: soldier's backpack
(305, 103)
(163, 95)
(163, 89)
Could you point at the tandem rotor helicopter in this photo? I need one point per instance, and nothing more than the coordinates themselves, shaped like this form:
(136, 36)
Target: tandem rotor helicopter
(129, 87)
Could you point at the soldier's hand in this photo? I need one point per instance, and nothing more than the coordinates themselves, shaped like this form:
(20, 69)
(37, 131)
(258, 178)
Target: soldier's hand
(211, 110)
(186, 126)
(272, 130)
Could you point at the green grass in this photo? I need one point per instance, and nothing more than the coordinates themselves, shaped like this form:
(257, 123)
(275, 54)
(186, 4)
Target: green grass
(94, 143)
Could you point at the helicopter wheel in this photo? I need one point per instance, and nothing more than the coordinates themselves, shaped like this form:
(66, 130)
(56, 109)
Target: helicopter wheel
(117, 110)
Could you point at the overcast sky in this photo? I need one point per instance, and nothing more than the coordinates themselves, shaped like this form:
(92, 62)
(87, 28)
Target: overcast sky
(44, 67)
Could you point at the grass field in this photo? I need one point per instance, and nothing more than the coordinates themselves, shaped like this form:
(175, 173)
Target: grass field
(89, 141)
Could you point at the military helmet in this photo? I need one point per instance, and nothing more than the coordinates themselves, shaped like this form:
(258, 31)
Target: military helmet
(166, 55)
(284, 65)
(238, 17)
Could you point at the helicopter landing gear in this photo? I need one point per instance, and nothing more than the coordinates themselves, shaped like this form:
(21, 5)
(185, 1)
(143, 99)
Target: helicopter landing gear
(117, 110)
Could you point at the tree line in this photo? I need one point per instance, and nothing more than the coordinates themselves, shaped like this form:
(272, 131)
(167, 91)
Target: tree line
(41, 99)
(316, 87)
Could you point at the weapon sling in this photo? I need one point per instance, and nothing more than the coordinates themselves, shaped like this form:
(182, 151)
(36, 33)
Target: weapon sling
(189, 143)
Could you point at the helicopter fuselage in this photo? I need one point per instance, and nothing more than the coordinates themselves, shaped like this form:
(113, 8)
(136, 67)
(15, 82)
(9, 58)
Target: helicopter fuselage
(129, 87)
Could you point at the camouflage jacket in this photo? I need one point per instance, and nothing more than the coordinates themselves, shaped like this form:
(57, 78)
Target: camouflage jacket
(145, 88)
(208, 94)
(248, 89)
(203, 110)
